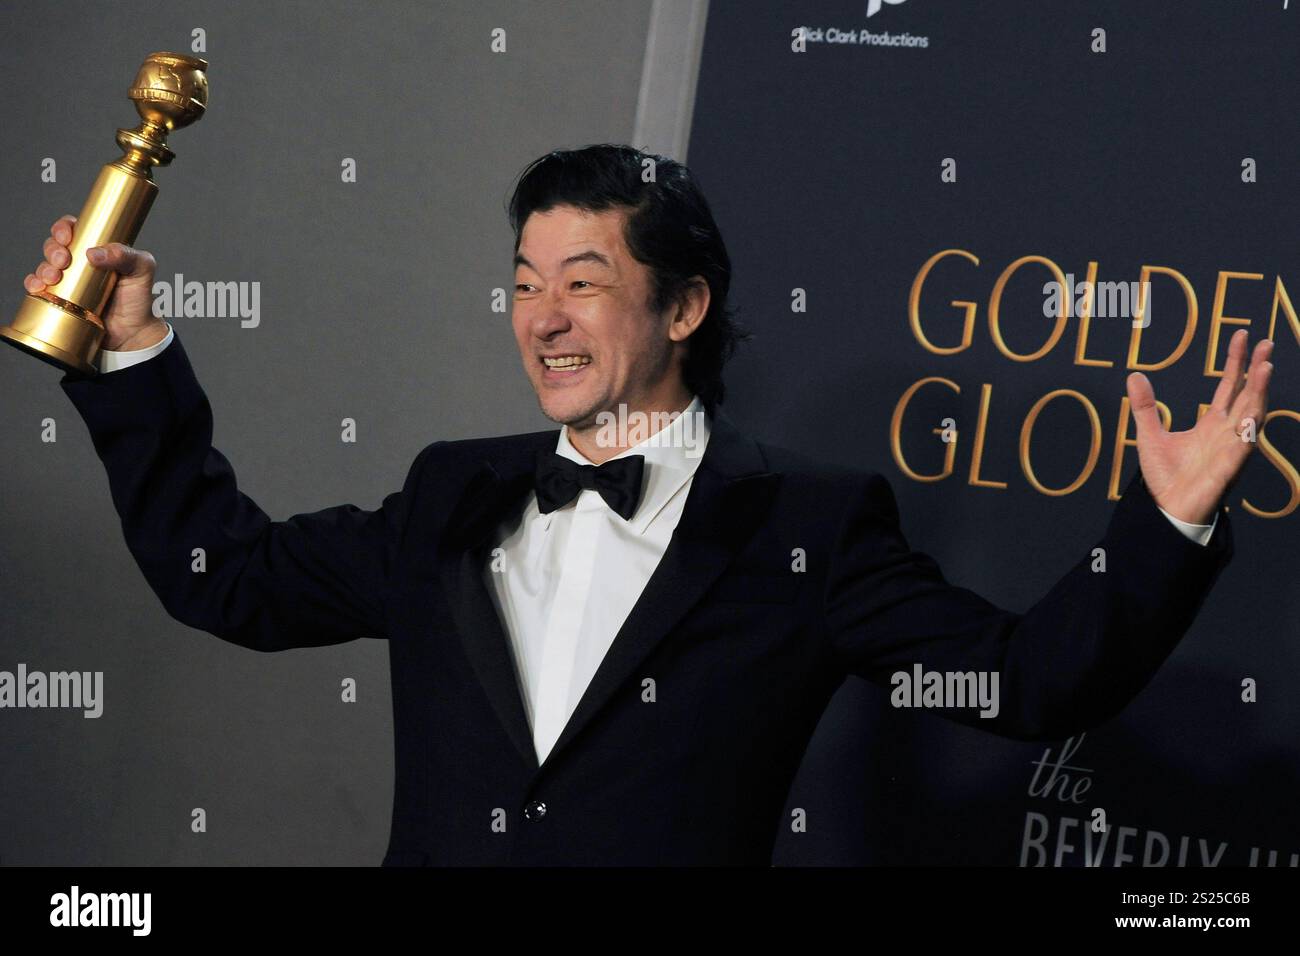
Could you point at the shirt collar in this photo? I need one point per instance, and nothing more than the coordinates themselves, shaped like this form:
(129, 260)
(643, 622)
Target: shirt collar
(672, 453)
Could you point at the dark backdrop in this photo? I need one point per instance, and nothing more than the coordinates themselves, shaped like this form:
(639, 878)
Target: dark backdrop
(824, 169)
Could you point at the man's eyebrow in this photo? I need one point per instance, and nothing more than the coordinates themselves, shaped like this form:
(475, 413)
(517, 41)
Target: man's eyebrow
(590, 255)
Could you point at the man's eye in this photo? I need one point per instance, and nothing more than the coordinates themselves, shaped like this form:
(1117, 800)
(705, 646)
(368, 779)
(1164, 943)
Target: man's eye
(523, 287)
(581, 282)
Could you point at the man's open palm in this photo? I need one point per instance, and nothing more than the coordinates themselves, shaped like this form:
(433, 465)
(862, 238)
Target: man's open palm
(1189, 472)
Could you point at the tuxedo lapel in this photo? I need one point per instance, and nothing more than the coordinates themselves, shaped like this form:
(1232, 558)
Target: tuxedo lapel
(729, 497)
(497, 490)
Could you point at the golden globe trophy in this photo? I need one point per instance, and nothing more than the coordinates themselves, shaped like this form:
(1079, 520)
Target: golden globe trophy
(61, 324)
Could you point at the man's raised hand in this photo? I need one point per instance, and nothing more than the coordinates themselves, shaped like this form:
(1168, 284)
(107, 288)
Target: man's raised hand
(129, 322)
(1189, 472)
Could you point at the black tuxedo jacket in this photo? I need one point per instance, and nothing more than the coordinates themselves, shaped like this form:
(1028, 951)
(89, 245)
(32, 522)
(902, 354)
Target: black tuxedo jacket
(745, 652)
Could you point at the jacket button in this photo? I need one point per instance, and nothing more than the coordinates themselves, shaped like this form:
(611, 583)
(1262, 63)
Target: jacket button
(535, 810)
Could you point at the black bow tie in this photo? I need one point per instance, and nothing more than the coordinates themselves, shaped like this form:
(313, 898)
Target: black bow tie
(558, 480)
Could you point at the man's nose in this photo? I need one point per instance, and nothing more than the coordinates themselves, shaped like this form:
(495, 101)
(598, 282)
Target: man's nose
(549, 317)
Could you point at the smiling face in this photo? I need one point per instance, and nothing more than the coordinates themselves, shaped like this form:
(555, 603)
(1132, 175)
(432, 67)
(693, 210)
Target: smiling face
(582, 319)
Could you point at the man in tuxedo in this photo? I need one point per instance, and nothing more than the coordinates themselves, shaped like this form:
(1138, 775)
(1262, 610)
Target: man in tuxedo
(609, 646)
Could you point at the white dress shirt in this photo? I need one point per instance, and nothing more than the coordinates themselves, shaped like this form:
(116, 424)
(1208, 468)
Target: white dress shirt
(565, 581)
(568, 579)
(112, 361)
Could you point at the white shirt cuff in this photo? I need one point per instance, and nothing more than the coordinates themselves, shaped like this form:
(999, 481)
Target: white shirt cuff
(1200, 533)
(110, 361)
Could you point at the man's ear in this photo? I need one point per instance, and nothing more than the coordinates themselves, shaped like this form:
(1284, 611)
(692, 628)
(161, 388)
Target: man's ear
(690, 309)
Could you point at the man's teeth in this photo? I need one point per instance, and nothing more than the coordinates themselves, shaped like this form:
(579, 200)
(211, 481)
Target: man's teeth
(567, 361)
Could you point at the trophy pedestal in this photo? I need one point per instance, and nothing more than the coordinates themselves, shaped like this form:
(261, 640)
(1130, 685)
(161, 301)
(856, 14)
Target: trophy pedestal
(56, 333)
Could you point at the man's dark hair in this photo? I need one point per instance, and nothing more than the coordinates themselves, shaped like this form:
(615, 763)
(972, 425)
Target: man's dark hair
(670, 229)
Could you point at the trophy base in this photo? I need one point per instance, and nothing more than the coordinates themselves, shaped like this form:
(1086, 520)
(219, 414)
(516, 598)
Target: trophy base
(57, 332)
